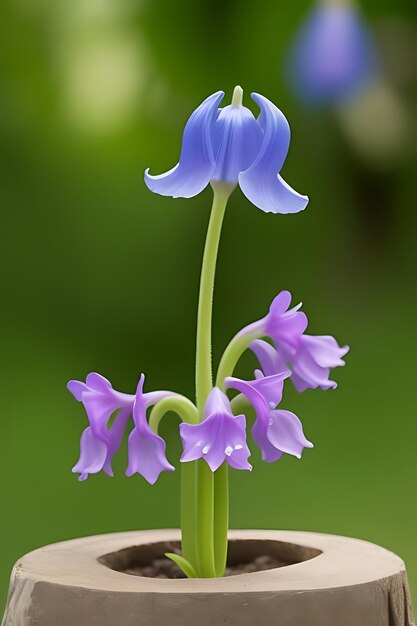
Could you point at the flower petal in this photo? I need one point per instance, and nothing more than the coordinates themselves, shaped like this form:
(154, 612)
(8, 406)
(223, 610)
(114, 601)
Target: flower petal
(285, 432)
(325, 350)
(77, 389)
(115, 437)
(262, 410)
(236, 139)
(196, 164)
(267, 356)
(147, 456)
(98, 382)
(93, 453)
(219, 437)
(261, 182)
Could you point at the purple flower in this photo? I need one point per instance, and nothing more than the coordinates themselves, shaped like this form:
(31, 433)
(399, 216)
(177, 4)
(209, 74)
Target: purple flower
(283, 325)
(230, 146)
(333, 54)
(310, 360)
(99, 442)
(146, 448)
(275, 431)
(220, 437)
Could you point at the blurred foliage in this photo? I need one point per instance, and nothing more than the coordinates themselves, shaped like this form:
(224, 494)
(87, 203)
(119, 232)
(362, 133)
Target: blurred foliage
(99, 274)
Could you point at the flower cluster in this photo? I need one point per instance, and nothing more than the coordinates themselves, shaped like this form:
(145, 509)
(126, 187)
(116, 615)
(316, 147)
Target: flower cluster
(220, 437)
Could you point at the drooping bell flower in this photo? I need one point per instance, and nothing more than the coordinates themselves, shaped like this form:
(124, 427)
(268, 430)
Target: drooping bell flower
(99, 442)
(282, 324)
(332, 56)
(220, 437)
(230, 146)
(311, 361)
(275, 431)
(146, 448)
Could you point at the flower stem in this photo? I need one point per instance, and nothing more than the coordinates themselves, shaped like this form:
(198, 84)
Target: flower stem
(186, 410)
(204, 382)
(203, 372)
(221, 518)
(235, 349)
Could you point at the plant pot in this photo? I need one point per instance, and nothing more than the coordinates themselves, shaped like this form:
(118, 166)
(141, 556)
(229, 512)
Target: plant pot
(325, 580)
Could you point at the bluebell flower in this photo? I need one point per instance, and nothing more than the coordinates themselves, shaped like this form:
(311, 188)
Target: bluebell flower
(332, 56)
(230, 146)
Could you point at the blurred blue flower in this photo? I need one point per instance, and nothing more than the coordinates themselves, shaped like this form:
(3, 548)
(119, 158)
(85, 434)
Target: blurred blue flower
(332, 56)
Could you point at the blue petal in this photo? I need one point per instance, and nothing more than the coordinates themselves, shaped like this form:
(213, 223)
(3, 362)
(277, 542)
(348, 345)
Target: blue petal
(236, 139)
(261, 183)
(196, 164)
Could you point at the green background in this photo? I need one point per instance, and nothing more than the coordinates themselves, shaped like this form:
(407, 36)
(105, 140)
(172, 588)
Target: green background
(99, 274)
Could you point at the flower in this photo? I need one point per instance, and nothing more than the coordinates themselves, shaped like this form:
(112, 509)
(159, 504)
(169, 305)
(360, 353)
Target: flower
(229, 145)
(310, 360)
(282, 324)
(146, 448)
(332, 55)
(220, 437)
(99, 442)
(275, 431)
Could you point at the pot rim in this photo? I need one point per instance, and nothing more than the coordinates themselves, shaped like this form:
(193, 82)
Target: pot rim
(343, 561)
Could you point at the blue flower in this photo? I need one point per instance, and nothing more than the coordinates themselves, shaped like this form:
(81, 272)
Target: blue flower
(332, 56)
(230, 146)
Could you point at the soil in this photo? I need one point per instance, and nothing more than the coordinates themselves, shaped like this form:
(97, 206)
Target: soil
(165, 568)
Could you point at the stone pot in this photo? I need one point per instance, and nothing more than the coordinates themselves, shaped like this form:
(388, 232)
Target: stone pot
(325, 580)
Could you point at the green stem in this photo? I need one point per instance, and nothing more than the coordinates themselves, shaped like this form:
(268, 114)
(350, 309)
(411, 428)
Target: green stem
(203, 372)
(204, 383)
(234, 351)
(183, 407)
(221, 517)
(180, 405)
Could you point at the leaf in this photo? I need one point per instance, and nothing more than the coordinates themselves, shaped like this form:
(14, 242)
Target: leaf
(183, 564)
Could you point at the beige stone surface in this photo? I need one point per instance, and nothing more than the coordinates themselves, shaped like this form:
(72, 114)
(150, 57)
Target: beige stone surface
(350, 583)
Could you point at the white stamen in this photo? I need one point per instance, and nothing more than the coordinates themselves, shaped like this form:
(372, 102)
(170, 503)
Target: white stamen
(238, 447)
(237, 96)
(228, 451)
(205, 449)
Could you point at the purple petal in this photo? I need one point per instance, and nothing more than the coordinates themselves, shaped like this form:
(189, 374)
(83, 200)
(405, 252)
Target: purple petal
(219, 437)
(325, 350)
(93, 453)
(284, 325)
(115, 438)
(267, 356)
(196, 165)
(217, 402)
(99, 408)
(280, 303)
(285, 432)
(261, 182)
(97, 382)
(77, 389)
(147, 455)
(312, 361)
(262, 410)
(236, 139)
